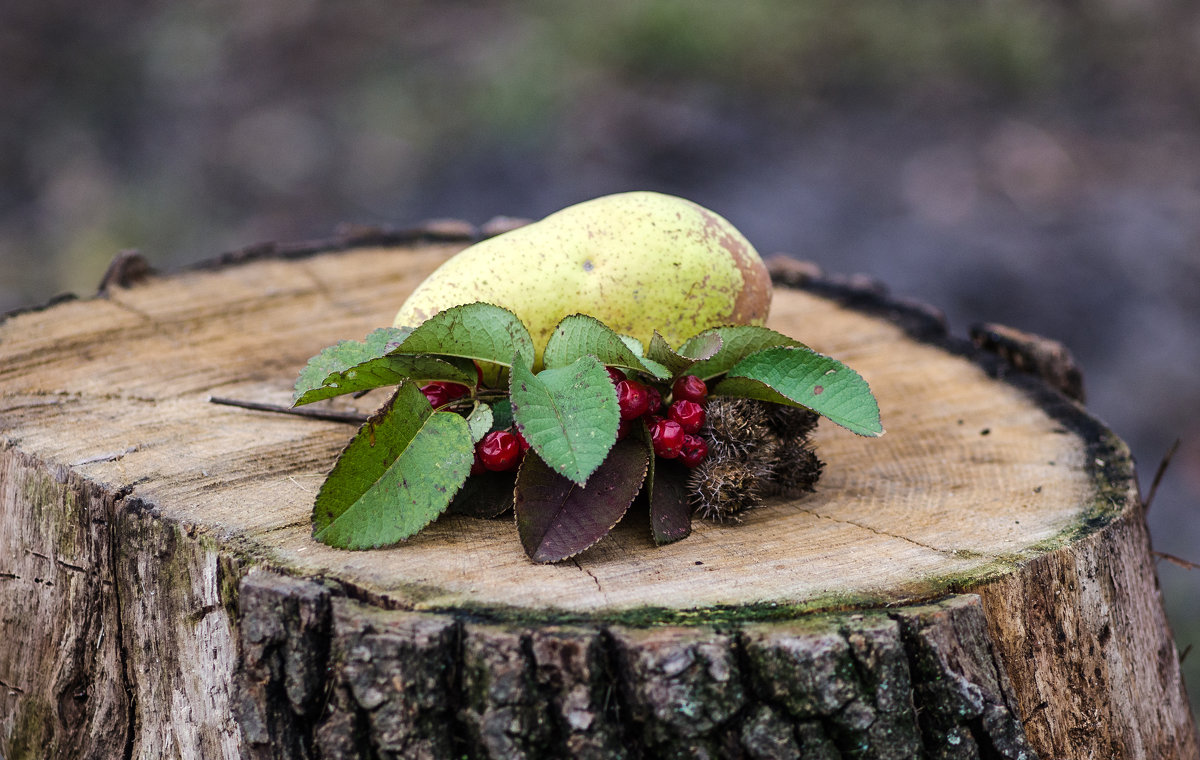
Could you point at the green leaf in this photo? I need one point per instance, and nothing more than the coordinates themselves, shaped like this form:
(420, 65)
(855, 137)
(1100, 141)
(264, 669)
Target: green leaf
(737, 342)
(655, 369)
(396, 476)
(634, 345)
(346, 354)
(557, 519)
(581, 335)
(701, 347)
(479, 331)
(670, 513)
(568, 415)
(802, 377)
(386, 370)
(479, 422)
(502, 416)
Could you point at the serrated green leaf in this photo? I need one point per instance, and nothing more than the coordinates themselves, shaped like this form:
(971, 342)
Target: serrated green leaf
(397, 475)
(479, 422)
(802, 377)
(502, 416)
(387, 370)
(654, 369)
(737, 342)
(634, 345)
(479, 331)
(582, 335)
(701, 347)
(346, 354)
(557, 518)
(568, 415)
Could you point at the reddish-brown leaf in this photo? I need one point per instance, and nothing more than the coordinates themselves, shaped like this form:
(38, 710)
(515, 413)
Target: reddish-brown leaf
(486, 495)
(670, 514)
(557, 519)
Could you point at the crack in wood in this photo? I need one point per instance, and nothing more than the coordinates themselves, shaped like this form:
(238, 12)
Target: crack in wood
(109, 457)
(197, 615)
(285, 527)
(876, 531)
(599, 586)
(147, 318)
(120, 610)
(75, 395)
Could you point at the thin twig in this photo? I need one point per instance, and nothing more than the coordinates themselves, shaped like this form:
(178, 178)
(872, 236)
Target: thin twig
(1183, 655)
(1158, 474)
(329, 415)
(1176, 560)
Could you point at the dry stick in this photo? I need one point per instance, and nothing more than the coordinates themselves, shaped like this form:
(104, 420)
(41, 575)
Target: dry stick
(1176, 560)
(329, 415)
(1158, 474)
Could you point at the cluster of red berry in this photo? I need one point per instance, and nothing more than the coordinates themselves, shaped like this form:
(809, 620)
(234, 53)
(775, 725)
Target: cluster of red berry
(499, 450)
(675, 435)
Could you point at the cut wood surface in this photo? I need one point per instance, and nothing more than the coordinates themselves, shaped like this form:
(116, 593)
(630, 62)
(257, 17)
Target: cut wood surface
(164, 596)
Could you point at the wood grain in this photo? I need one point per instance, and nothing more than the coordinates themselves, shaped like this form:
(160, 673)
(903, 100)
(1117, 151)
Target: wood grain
(130, 506)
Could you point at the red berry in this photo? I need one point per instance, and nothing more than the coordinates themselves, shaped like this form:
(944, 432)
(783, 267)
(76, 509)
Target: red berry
(667, 438)
(524, 444)
(440, 393)
(690, 388)
(632, 399)
(694, 450)
(615, 374)
(655, 400)
(477, 467)
(499, 451)
(688, 414)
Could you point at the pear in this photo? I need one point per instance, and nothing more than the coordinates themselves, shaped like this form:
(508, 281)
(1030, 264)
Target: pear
(637, 261)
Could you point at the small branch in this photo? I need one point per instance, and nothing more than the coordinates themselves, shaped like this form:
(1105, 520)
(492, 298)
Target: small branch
(1158, 474)
(1176, 560)
(329, 415)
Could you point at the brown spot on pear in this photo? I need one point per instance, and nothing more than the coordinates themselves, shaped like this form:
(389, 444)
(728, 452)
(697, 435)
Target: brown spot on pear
(637, 261)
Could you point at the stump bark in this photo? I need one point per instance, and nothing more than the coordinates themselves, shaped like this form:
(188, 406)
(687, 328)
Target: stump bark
(977, 583)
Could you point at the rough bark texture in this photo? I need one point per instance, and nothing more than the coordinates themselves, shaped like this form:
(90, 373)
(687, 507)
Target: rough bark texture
(978, 584)
(921, 681)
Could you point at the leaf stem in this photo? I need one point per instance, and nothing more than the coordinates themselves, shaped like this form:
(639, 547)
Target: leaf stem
(329, 415)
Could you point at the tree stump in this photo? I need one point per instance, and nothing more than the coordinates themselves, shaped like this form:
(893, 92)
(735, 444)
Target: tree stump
(976, 583)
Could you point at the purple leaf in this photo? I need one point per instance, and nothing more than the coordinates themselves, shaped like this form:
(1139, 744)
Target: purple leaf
(485, 495)
(670, 514)
(557, 519)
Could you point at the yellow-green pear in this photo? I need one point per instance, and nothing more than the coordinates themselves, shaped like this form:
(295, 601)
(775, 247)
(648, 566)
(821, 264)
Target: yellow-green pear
(637, 261)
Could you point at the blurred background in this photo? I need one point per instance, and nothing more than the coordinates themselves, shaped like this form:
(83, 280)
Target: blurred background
(1031, 162)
